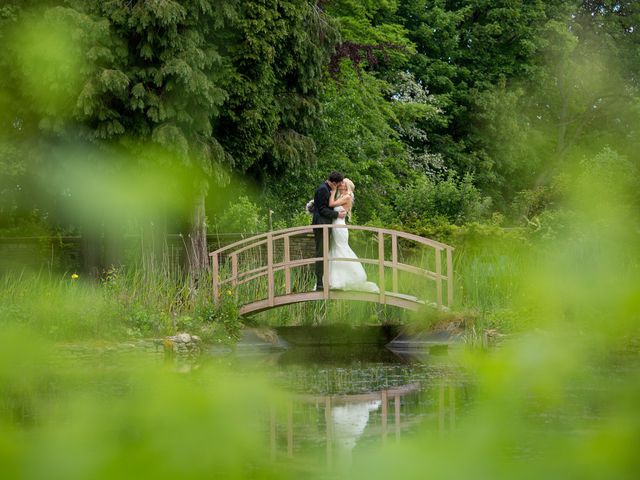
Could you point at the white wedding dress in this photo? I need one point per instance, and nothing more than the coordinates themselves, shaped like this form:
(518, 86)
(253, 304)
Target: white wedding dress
(346, 275)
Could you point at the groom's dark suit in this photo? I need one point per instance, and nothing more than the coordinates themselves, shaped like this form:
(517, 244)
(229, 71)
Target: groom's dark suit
(322, 214)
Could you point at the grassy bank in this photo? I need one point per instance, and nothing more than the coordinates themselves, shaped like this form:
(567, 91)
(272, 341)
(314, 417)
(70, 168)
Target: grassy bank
(125, 303)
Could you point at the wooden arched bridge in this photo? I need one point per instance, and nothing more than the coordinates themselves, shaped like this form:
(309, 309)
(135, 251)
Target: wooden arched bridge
(272, 269)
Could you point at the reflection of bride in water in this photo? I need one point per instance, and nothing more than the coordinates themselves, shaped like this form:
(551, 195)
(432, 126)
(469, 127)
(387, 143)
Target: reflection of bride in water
(349, 421)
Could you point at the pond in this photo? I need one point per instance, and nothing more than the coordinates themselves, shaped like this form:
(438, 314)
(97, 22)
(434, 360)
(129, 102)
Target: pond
(343, 406)
(347, 398)
(335, 399)
(129, 410)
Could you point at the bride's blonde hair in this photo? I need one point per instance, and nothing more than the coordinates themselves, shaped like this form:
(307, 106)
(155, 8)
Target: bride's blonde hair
(350, 188)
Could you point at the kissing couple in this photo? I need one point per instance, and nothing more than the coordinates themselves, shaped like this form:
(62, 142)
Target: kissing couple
(333, 202)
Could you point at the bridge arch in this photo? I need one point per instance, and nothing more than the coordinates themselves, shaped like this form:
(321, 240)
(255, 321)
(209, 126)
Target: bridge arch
(268, 261)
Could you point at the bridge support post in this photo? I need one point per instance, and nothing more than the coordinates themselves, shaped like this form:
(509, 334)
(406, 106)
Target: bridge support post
(449, 278)
(287, 259)
(394, 262)
(270, 280)
(215, 276)
(381, 265)
(439, 276)
(325, 260)
(234, 269)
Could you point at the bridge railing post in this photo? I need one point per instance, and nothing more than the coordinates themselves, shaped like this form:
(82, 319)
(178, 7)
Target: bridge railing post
(449, 278)
(439, 276)
(234, 269)
(287, 270)
(394, 261)
(215, 276)
(270, 279)
(325, 260)
(381, 265)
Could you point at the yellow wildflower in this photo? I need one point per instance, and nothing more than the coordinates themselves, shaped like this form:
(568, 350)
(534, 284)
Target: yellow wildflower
(74, 276)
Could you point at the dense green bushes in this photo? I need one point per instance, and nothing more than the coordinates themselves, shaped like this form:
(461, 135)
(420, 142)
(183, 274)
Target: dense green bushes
(451, 200)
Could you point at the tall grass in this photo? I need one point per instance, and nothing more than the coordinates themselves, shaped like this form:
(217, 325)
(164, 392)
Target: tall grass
(58, 306)
(491, 267)
(140, 300)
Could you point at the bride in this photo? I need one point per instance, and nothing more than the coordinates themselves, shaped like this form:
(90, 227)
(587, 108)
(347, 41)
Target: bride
(345, 275)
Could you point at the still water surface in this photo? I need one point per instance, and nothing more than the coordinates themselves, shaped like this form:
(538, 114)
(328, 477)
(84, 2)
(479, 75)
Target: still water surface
(334, 405)
(344, 399)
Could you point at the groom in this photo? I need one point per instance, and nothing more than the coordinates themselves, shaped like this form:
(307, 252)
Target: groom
(323, 214)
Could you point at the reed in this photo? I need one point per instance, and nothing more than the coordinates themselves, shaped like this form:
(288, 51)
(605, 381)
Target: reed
(147, 298)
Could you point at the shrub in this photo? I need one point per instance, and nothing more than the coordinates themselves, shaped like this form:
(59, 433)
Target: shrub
(242, 216)
(453, 200)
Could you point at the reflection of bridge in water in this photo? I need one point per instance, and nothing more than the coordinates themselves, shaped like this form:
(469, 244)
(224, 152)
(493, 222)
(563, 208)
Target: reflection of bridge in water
(346, 419)
(269, 269)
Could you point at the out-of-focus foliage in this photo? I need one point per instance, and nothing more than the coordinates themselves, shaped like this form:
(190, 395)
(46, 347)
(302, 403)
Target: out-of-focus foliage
(100, 89)
(98, 72)
(133, 419)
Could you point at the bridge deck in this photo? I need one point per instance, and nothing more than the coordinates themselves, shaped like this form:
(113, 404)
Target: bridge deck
(395, 299)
